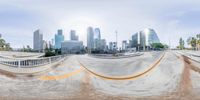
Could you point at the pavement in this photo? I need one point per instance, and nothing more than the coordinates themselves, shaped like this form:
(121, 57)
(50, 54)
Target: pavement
(19, 55)
(194, 55)
(168, 75)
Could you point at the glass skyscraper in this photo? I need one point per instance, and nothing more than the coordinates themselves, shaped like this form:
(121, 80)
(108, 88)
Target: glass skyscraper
(144, 39)
(38, 40)
(90, 38)
(97, 33)
(73, 35)
(59, 37)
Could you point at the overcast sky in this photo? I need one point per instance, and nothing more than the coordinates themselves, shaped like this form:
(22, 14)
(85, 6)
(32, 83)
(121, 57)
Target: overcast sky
(171, 19)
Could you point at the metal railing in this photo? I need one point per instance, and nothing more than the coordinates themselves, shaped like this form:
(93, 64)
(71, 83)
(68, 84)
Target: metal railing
(28, 63)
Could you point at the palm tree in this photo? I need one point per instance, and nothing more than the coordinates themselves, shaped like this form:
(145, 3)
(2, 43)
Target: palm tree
(192, 41)
(4, 45)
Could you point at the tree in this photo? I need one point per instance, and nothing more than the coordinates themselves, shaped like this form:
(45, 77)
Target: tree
(157, 46)
(4, 45)
(181, 44)
(198, 41)
(192, 41)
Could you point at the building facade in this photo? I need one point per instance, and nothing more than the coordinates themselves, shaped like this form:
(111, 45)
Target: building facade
(97, 33)
(124, 45)
(90, 38)
(59, 37)
(143, 39)
(72, 47)
(38, 40)
(73, 35)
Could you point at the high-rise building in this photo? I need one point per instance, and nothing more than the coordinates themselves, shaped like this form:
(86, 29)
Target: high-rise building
(59, 37)
(38, 40)
(135, 40)
(152, 37)
(124, 45)
(143, 39)
(90, 38)
(102, 44)
(113, 46)
(148, 37)
(72, 47)
(97, 39)
(73, 35)
(97, 33)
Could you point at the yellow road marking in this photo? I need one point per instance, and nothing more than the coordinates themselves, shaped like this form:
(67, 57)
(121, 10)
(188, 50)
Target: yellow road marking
(102, 76)
(126, 77)
(62, 76)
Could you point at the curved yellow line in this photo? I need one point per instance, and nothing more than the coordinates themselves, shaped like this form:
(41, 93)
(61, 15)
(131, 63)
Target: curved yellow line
(60, 77)
(126, 77)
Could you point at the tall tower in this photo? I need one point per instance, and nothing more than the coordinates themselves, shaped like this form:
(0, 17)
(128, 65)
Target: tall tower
(116, 40)
(90, 38)
(97, 33)
(73, 35)
(59, 37)
(38, 40)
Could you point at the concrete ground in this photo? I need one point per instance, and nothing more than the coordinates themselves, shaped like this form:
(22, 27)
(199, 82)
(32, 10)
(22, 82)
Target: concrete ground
(19, 55)
(154, 75)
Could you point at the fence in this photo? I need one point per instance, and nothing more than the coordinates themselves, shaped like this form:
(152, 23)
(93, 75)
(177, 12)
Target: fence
(27, 63)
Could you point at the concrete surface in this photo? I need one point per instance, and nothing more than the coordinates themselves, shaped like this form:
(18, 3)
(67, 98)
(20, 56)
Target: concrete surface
(174, 77)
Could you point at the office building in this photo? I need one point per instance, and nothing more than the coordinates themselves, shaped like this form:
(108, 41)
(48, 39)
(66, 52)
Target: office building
(102, 45)
(112, 46)
(38, 40)
(90, 38)
(124, 45)
(73, 35)
(59, 37)
(143, 39)
(97, 33)
(72, 47)
(97, 39)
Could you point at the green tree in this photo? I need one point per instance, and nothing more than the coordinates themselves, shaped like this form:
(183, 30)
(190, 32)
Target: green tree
(198, 40)
(192, 41)
(157, 46)
(181, 44)
(4, 45)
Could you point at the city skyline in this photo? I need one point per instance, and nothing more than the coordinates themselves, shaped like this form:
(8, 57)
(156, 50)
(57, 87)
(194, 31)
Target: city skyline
(20, 19)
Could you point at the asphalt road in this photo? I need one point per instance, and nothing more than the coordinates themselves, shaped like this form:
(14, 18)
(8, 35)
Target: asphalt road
(168, 75)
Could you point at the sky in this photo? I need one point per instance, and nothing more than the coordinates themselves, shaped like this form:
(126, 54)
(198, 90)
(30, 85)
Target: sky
(171, 19)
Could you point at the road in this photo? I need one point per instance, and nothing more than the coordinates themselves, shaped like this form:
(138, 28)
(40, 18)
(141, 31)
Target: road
(153, 75)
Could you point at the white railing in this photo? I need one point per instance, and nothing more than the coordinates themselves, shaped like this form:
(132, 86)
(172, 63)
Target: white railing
(28, 63)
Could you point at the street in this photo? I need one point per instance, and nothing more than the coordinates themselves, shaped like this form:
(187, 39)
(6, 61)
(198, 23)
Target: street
(153, 75)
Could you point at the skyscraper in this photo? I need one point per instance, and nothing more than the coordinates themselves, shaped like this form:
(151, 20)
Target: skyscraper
(124, 45)
(59, 37)
(144, 39)
(97, 33)
(148, 37)
(38, 40)
(73, 35)
(90, 38)
(135, 40)
(97, 39)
